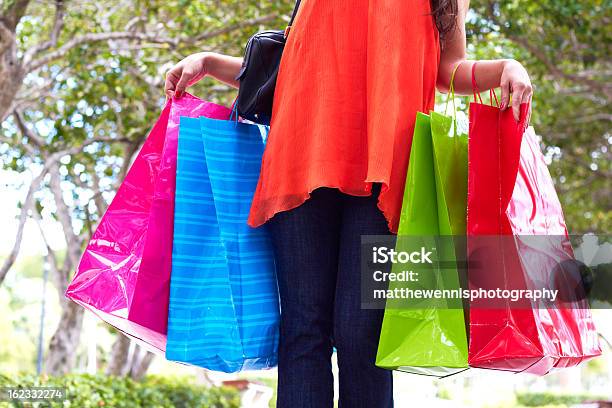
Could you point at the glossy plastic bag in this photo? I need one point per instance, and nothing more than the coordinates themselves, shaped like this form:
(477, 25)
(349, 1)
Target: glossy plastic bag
(124, 274)
(516, 238)
(430, 340)
(224, 310)
(150, 302)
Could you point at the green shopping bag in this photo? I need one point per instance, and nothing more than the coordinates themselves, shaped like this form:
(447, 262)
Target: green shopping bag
(428, 336)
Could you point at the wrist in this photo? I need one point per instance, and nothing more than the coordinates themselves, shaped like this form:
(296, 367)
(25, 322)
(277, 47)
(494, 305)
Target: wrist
(508, 62)
(505, 67)
(207, 63)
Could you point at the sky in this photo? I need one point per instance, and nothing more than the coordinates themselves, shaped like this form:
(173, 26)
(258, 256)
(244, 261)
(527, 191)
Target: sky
(13, 189)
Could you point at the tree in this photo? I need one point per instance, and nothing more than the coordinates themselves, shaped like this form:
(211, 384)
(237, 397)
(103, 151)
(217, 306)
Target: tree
(565, 46)
(80, 85)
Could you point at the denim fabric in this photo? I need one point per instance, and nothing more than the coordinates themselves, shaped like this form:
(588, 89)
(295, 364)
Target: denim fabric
(317, 248)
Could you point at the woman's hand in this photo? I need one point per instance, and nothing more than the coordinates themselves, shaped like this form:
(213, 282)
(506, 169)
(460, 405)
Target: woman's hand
(507, 73)
(184, 74)
(515, 80)
(197, 66)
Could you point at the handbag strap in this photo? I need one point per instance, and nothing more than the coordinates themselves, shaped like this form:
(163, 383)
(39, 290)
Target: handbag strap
(295, 11)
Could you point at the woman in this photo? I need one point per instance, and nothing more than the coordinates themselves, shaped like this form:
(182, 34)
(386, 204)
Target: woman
(353, 75)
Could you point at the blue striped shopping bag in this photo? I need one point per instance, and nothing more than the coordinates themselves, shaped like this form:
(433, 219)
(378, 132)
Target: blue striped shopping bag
(224, 310)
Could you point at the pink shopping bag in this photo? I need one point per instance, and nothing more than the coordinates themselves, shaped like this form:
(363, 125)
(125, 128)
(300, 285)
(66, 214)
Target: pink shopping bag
(124, 274)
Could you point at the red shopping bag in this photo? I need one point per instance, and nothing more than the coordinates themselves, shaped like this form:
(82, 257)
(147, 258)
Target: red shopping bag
(517, 240)
(124, 273)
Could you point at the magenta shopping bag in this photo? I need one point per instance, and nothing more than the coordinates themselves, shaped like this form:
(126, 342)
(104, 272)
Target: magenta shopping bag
(124, 273)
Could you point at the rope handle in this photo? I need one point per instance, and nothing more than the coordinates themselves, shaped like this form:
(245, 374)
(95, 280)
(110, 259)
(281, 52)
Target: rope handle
(477, 97)
(451, 95)
(451, 90)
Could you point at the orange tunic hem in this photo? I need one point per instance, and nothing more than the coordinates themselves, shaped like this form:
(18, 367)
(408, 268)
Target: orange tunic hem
(259, 218)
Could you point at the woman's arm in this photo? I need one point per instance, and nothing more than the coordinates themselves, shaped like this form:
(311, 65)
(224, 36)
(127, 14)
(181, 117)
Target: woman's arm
(508, 74)
(196, 66)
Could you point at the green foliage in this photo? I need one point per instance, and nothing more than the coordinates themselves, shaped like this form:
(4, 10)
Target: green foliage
(271, 382)
(540, 399)
(541, 406)
(602, 283)
(20, 308)
(88, 391)
(114, 88)
(30, 267)
(565, 46)
(17, 351)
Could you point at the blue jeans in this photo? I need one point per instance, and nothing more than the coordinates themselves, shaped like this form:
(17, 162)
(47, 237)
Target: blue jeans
(317, 248)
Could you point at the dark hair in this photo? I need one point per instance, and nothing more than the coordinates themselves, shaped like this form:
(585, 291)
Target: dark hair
(445, 15)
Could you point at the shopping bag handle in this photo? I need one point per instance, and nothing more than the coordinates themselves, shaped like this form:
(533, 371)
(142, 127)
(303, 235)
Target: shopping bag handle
(477, 97)
(451, 95)
(451, 89)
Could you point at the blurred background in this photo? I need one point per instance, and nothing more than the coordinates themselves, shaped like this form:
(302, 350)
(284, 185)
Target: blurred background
(81, 83)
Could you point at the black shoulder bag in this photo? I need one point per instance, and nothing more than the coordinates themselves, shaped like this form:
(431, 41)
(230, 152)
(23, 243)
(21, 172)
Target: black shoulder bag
(259, 71)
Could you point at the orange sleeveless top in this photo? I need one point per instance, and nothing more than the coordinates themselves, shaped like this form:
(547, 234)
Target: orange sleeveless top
(352, 77)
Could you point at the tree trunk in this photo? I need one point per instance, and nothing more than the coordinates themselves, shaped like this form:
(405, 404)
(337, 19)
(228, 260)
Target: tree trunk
(120, 353)
(123, 362)
(11, 70)
(141, 362)
(61, 355)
